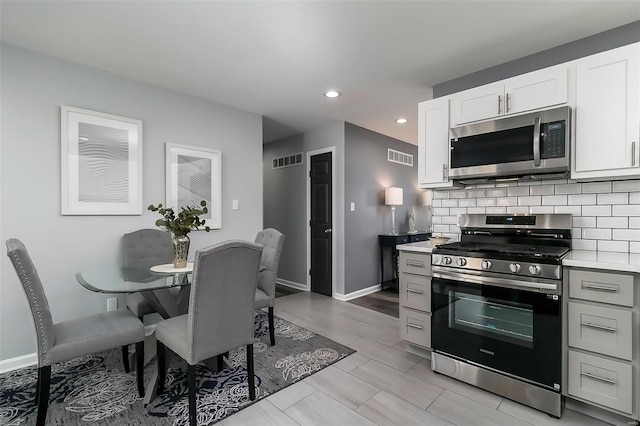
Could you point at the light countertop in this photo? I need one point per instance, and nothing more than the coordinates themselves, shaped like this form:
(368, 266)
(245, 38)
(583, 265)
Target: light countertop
(420, 246)
(623, 262)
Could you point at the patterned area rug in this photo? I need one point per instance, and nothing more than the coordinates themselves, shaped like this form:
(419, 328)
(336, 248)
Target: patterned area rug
(95, 390)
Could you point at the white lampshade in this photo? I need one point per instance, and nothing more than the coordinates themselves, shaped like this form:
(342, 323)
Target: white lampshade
(427, 197)
(393, 196)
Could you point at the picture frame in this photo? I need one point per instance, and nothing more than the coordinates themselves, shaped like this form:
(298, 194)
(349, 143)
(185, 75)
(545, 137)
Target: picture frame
(194, 174)
(101, 163)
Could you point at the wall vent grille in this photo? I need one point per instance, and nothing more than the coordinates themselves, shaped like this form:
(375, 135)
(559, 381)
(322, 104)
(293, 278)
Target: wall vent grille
(287, 161)
(399, 157)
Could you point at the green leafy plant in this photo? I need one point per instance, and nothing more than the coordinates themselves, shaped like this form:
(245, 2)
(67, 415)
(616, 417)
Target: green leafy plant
(186, 221)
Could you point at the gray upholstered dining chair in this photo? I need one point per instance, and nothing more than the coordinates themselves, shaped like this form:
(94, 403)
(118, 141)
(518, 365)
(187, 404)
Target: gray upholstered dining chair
(70, 339)
(143, 249)
(272, 241)
(221, 313)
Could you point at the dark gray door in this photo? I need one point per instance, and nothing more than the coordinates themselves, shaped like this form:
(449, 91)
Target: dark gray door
(321, 236)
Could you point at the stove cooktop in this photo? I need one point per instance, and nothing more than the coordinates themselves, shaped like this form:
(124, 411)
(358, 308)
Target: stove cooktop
(475, 249)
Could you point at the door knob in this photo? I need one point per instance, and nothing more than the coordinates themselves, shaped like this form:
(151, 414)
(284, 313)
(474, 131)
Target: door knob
(327, 231)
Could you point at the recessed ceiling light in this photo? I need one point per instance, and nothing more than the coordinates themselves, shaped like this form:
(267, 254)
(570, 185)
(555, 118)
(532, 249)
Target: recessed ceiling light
(401, 120)
(332, 94)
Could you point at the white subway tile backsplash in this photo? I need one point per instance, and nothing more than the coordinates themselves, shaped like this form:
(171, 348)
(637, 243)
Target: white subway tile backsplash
(436, 220)
(634, 222)
(613, 222)
(450, 203)
(554, 200)
(578, 244)
(618, 246)
(440, 211)
(541, 190)
(497, 192)
(626, 234)
(634, 247)
(572, 188)
(476, 210)
(458, 194)
(440, 194)
(450, 220)
(582, 199)
(585, 222)
(628, 210)
(486, 202)
(457, 210)
(517, 210)
(615, 198)
(634, 198)
(468, 202)
(574, 210)
(596, 233)
(518, 191)
(496, 210)
(626, 186)
(436, 203)
(532, 200)
(596, 187)
(596, 210)
(530, 183)
(507, 201)
(477, 193)
(541, 209)
(440, 228)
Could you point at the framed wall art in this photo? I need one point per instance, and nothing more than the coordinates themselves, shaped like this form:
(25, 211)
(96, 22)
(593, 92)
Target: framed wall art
(194, 174)
(101, 163)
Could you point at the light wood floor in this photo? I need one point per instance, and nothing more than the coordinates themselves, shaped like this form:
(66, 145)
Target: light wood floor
(381, 383)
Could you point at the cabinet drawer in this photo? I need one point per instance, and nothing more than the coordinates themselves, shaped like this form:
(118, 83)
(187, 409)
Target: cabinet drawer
(616, 289)
(413, 238)
(601, 380)
(604, 330)
(415, 292)
(415, 327)
(415, 263)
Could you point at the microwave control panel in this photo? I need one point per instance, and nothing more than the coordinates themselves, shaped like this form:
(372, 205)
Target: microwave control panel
(553, 140)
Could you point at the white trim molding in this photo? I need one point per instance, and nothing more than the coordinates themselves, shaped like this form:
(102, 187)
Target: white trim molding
(292, 284)
(18, 362)
(358, 293)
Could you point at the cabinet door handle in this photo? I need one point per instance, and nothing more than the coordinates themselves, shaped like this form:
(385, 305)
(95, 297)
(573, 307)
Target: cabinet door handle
(600, 379)
(599, 327)
(596, 287)
(536, 142)
(410, 290)
(444, 172)
(508, 106)
(416, 263)
(419, 327)
(633, 154)
(499, 104)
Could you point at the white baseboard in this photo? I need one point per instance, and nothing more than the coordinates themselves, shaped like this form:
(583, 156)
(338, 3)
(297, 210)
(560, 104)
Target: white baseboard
(292, 284)
(18, 362)
(356, 294)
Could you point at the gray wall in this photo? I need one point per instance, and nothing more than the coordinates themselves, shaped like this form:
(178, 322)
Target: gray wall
(611, 39)
(33, 87)
(367, 174)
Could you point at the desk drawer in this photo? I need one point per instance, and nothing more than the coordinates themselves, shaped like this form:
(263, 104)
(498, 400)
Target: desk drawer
(415, 327)
(415, 263)
(599, 329)
(415, 292)
(601, 380)
(616, 289)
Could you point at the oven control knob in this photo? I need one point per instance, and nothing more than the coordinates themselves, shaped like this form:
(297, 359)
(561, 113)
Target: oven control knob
(446, 260)
(461, 261)
(534, 270)
(486, 264)
(515, 267)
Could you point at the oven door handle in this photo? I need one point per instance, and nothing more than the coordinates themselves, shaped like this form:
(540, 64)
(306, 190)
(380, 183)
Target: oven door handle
(495, 281)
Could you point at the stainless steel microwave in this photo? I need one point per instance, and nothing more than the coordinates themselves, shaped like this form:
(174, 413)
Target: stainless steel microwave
(536, 144)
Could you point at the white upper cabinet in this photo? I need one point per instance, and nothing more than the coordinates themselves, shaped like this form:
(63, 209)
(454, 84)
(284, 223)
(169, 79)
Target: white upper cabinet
(534, 90)
(607, 119)
(433, 144)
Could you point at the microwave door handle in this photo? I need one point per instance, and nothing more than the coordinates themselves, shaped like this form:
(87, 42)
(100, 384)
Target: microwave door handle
(536, 142)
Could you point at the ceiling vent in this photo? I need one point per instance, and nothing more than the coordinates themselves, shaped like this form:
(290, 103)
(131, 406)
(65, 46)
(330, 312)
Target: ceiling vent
(288, 161)
(399, 157)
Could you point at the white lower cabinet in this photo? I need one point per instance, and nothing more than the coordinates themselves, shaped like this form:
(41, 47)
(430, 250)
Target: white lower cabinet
(603, 329)
(415, 298)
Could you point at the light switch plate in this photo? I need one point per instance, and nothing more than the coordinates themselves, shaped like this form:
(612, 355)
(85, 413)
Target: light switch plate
(112, 304)
(235, 205)
(353, 207)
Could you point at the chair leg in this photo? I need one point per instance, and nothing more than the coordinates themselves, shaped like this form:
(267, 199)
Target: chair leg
(140, 367)
(252, 381)
(44, 382)
(125, 358)
(272, 331)
(191, 372)
(161, 353)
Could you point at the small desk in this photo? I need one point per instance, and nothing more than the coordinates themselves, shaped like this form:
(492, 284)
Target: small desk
(391, 241)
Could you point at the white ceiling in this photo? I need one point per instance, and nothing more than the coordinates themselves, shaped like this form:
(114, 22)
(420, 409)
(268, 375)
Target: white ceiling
(277, 58)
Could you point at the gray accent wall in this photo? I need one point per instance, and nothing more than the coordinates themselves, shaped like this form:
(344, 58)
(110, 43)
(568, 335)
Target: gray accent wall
(33, 87)
(367, 174)
(596, 43)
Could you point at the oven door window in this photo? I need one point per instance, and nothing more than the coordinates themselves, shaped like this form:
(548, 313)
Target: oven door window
(514, 331)
(510, 322)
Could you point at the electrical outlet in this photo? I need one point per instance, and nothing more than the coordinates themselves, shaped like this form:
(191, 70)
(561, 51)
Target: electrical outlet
(112, 304)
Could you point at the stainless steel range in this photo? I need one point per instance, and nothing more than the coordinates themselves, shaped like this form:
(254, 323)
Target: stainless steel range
(496, 306)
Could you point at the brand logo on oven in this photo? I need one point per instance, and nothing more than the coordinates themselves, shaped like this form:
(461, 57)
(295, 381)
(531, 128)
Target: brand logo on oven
(485, 351)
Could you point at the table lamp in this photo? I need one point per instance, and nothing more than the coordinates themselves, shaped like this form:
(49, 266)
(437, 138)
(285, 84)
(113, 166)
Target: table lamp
(393, 198)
